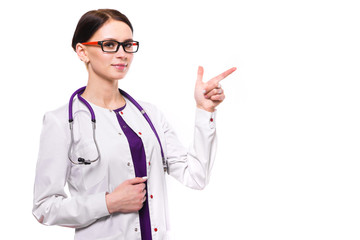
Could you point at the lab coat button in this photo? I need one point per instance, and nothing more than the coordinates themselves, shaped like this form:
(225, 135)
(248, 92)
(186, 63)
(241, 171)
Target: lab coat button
(155, 229)
(121, 113)
(212, 122)
(151, 196)
(136, 229)
(140, 133)
(128, 164)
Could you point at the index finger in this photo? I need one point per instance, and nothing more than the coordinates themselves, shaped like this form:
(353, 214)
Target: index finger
(137, 180)
(223, 75)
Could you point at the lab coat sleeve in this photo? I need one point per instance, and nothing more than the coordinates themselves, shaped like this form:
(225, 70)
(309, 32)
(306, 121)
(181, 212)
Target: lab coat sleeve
(51, 204)
(192, 166)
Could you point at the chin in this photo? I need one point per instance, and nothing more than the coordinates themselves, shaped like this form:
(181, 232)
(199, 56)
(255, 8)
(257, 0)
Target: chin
(120, 74)
(117, 77)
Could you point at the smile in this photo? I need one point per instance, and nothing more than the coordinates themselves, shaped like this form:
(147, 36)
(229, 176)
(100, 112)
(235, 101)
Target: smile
(120, 66)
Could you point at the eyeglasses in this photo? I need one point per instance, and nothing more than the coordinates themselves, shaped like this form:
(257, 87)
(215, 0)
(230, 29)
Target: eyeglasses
(112, 46)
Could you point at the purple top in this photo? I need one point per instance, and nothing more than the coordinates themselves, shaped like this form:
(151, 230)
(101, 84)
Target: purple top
(139, 161)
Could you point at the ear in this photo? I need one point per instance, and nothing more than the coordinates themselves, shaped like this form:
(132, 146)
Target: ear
(82, 53)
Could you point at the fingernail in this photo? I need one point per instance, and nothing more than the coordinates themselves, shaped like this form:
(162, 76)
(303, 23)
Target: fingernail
(203, 91)
(146, 178)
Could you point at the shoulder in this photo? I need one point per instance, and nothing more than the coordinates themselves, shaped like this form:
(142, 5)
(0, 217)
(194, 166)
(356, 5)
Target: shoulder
(154, 113)
(58, 115)
(151, 109)
(148, 107)
(55, 123)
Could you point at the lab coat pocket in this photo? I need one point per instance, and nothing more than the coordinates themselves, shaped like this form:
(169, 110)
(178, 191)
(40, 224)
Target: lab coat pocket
(91, 176)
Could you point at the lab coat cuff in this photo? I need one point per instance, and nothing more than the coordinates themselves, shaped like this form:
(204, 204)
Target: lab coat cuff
(100, 209)
(205, 118)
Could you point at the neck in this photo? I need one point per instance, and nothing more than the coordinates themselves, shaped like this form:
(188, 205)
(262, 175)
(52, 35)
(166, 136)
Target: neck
(104, 94)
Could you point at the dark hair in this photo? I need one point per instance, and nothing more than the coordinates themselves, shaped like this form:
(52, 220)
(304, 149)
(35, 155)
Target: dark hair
(91, 21)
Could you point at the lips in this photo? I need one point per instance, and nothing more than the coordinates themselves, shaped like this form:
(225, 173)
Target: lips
(120, 66)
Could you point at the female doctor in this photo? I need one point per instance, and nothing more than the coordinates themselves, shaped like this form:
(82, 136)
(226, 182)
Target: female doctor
(115, 171)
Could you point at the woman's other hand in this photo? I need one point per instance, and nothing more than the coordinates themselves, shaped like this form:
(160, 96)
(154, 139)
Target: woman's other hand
(128, 197)
(208, 95)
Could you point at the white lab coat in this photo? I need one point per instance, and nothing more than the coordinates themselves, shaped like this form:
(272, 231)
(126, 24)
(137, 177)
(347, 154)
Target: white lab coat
(86, 208)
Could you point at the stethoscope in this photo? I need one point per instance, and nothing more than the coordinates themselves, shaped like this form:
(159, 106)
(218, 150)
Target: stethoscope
(84, 161)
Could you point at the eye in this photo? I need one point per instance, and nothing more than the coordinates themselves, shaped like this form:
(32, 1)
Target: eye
(109, 44)
(129, 44)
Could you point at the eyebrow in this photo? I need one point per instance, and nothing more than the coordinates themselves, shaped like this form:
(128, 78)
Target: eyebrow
(113, 39)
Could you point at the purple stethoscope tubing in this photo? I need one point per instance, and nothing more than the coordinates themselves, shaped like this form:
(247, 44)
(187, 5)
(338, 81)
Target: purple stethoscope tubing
(93, 120)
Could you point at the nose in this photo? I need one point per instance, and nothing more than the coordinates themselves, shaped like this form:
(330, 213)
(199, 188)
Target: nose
(121, 53)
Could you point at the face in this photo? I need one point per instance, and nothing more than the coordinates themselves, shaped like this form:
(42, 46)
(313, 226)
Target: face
(103, 65)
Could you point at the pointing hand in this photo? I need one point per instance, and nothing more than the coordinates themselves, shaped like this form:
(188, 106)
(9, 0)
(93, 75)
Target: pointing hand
(208, 95)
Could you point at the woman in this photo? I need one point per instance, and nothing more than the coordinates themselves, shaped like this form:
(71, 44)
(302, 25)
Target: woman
(116, 179)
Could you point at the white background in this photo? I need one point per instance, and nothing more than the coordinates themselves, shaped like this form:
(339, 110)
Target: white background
(288, 156)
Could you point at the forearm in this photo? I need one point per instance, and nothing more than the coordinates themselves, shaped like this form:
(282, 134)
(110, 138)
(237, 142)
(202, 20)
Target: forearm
(192, 167)
(74, 212)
